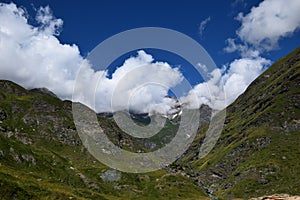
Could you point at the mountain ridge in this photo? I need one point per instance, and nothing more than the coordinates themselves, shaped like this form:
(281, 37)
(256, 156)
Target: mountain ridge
(42, 156)
(247, 160)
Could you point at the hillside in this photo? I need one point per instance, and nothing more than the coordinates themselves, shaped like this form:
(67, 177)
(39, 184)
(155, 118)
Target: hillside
(259, 149)
(42, 157)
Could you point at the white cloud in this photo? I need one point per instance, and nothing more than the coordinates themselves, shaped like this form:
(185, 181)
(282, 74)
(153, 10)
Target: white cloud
(140, 84)
(202, 67)
(34, 57)
(241, 72)
(260, 31)
(226, 84)
(268, 22)
(209, 93)
(50, 24)
(203, 25)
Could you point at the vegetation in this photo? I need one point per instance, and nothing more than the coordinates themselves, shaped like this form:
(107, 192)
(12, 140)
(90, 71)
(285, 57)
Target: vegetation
(41, 156)
(258, 151)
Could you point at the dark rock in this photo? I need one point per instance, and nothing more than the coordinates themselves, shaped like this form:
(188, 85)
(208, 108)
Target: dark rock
(30, 121)
(105, 114)
(205, 115)
(263, 181)
(3, 129)
(3, 115)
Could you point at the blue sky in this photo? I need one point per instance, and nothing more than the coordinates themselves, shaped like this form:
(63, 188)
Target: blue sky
(243, 37)
(87, 23)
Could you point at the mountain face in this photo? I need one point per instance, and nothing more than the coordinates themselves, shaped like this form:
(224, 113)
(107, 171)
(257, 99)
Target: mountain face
(259, 149)
(42, 156)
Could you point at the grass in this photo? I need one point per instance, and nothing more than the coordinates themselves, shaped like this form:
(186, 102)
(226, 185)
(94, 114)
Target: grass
(55, 171)
(265, 113)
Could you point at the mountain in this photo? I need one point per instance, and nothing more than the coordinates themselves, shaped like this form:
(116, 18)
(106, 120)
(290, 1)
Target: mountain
(259, 148)
(42, 156)
(43, 91)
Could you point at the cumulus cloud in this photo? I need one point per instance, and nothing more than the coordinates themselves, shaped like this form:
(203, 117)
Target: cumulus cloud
(49, 24)
(32, 56)
(139, 85)
(210, 93)
(260, 31)
(226, 84)
(263, 27)
(203, 25)
(241, 72)
(268, 22)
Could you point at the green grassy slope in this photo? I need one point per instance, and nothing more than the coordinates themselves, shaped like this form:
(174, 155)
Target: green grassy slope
(259, 149)
(41, 156)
